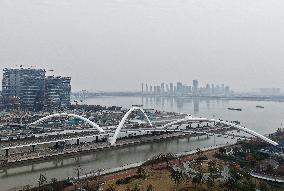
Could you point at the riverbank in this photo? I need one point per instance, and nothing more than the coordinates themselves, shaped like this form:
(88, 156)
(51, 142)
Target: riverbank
(98, 147)
(109, 175)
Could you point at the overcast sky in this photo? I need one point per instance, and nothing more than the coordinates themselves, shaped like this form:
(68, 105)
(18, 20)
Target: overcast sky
(117, 44)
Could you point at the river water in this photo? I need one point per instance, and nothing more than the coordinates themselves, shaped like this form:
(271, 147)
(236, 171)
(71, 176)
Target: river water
(265, 121)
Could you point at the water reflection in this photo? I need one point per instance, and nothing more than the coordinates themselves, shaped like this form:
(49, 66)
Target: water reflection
(179, 104)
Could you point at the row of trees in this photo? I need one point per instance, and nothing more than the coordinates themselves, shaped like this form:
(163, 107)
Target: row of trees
(197, 177)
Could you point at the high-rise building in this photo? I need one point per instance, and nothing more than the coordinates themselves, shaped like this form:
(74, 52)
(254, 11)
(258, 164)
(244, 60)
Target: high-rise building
(179, 87)
(167, 88)
(195, 87)
(24, 87)
(57, 96)
(147, 89)
(213, 89)
(162, 88)
(227, 90)
(171, 88)
(208, 90)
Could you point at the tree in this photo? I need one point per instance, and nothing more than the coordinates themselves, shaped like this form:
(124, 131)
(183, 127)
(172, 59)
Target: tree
(199, 152)
(234, 176)
(111, 188)
(247, 185)
(41, 180)
(141, 173)
(210, 182)
(214, 172)
(263, 186)
(176, 176)
(136, 188)
(197, 179)
(198, 175)
(150, 187)
(27, 188)
(56, 186)
(222, 150)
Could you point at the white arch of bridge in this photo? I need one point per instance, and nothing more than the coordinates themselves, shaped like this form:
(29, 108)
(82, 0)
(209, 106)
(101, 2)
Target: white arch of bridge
(251, 132)
(112, 140)
(93, 124)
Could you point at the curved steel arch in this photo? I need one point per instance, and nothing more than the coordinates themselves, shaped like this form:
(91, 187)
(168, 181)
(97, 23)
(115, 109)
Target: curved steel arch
(183, 120)
(93, 124)
(123, 120)
(251, 132)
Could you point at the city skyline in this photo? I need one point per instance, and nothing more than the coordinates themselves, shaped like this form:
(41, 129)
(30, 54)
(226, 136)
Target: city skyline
(182, 89)
(52, 72)
(240, 45)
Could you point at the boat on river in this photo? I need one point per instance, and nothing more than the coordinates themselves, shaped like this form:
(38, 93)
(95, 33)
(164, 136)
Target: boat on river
(234, 109)
(259, 106)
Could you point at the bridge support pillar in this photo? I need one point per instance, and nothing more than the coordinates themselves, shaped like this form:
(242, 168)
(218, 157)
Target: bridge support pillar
(56, 145)
(198, 137)
(33, 148)
(78, 142)
(97, 139)
(207, 136)
(7, 153)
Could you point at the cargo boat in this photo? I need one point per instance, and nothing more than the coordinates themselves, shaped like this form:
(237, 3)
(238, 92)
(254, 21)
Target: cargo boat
(234, 109)
(259, 106)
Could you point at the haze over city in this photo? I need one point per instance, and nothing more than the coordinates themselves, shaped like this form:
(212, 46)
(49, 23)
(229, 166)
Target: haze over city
(117, 44)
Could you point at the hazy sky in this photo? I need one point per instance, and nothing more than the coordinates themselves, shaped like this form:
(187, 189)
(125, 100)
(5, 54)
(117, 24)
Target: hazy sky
(117, 44)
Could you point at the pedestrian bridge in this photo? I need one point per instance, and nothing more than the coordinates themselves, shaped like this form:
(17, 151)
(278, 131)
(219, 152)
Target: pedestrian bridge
(188, 119)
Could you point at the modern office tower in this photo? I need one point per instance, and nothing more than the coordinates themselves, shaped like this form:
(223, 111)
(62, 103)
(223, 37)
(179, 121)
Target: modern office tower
(167, 88)
(158, 90)
(189, 89)
(171, 88)
(213, 89)
(57, 93)
(147, 89)
(227, 90)
(223, 89)
(218, 89)
(151, 89)
(142, 88)
(23, 87)
(162, 88)
(208, 90)
(155, 90)
(195, 87)
(179, 87)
